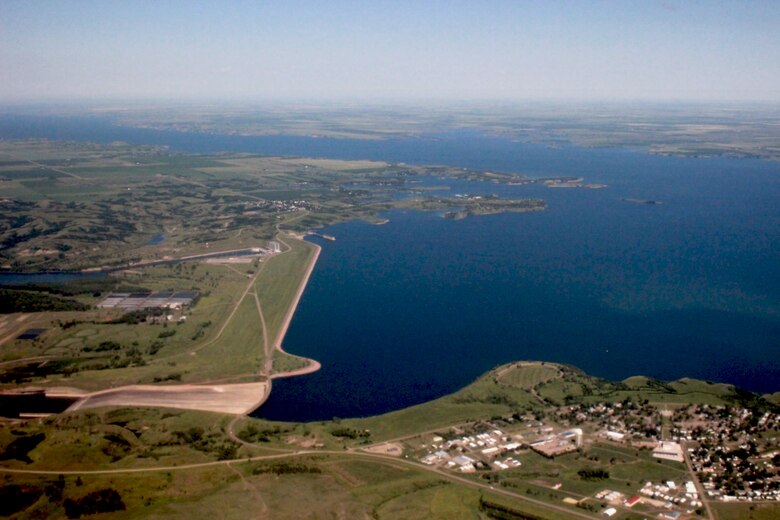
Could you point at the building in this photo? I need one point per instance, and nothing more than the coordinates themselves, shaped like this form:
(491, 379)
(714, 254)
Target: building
(138, 301)
(553, 447)
(669, 451)
(634, 500)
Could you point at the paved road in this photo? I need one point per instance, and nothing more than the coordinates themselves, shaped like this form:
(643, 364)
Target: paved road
(695, 479)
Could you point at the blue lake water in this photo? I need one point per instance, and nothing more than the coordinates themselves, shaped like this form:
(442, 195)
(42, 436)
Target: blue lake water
(46, 278)
(411, 310)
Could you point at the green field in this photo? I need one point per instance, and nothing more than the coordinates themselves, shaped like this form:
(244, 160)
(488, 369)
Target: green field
(529, 376)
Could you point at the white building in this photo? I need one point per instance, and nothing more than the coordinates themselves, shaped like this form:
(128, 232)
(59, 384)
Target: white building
(669, 451)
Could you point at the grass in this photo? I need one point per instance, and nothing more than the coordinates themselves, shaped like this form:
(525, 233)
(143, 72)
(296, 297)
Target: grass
(219, 287)
(482, 399)
(284, 362)
(743, 511)
(239, 350)
(196, 351)
(277, 284)
(442, 501)
(528, 375)
(90, 440)
(327, 485)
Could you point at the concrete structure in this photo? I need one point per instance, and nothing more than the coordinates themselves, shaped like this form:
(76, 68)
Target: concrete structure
(576, 434)
(237, 399)
(138, 301)
(552, 447)
(669, 451)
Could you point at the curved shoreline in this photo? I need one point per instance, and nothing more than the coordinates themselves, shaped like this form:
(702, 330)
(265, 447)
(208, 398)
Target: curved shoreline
(232, 399)
(298, 293)
(313, 365)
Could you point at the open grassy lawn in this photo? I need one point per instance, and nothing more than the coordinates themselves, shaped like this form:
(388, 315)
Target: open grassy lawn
(311, 486)
(481, 400)
(743, 511)
(239, 350)
(284, 362)
(528, 375)
(278, 282)
(576, 387)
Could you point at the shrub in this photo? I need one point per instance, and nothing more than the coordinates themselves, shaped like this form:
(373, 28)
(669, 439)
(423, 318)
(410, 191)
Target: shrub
(15, 498)
(101, 501)
(593, 474)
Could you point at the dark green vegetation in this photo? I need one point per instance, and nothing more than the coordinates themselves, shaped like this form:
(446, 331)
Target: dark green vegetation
(99, 501)
(593, 474)
(19, 448)
(27, 301)
(504, 512)
(76, 206)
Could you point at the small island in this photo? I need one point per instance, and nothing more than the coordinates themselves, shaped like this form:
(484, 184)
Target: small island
(648, 202)
(460, 207)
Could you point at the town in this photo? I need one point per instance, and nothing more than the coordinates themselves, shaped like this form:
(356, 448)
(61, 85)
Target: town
(702, 453)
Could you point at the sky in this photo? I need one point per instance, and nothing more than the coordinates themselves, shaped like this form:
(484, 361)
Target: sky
(390, 50)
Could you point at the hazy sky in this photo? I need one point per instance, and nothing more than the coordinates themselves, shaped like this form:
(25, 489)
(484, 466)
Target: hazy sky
(330, 49)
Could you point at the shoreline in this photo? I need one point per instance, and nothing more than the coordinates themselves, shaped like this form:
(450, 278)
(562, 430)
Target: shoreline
(314, 365)
(224, 398)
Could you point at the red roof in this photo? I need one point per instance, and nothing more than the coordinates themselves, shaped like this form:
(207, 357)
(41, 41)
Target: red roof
(631, 502)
